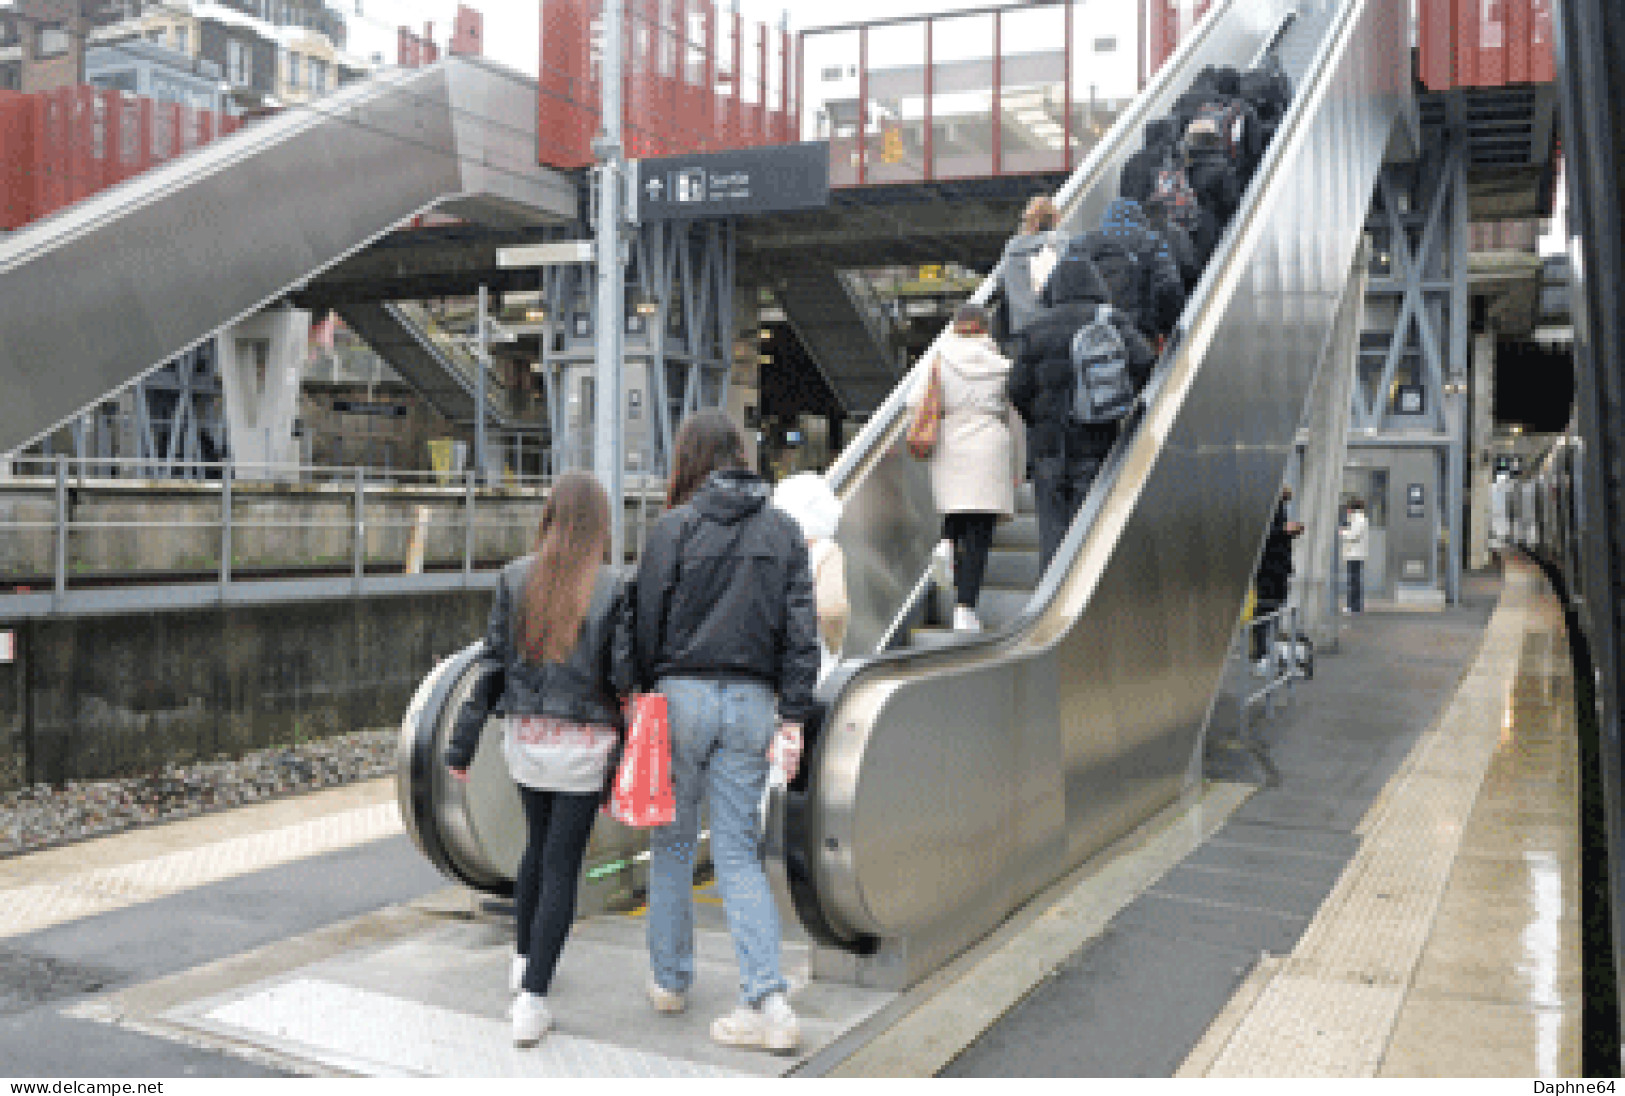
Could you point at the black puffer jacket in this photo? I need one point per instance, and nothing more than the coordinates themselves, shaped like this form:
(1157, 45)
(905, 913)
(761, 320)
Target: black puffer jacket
(581, 689)
(1274, 576)
(1151, 292)
(724, 591)
(1042, 381)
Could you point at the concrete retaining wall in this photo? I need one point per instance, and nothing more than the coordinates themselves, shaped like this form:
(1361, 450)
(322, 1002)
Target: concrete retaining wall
(98, 697)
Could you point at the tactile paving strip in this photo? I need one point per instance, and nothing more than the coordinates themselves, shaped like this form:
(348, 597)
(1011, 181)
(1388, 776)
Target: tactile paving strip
(1331, 1009)
(357, 1030)
(100, 890)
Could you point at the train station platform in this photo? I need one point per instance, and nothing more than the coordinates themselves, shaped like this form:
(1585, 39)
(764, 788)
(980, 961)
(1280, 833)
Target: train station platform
(1404, 903)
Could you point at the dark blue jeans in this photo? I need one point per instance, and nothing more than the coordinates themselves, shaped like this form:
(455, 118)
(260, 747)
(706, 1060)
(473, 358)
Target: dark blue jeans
(1356, 585)
(559, 824)
(1059, 488)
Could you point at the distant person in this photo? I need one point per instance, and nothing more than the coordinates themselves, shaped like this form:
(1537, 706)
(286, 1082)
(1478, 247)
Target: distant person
(549, 671)
(1029, 256)
(978, 459)
(1273, 582)
(725, 627)
(1139, 175)
(807, 497)
(1079, 349)
(1141, 276)
(1356, 537)
(1270, 92)
(1180, 244)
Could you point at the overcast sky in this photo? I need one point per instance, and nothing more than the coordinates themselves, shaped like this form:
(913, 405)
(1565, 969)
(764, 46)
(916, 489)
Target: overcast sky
(512, 33)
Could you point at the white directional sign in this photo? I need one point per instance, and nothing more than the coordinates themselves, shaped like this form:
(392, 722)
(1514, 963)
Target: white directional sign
(554, 254)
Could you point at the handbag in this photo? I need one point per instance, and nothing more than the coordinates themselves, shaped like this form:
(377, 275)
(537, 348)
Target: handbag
(642, 795)
(926, 430)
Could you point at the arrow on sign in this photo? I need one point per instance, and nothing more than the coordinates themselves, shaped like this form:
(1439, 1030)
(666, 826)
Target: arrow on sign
(654, 187)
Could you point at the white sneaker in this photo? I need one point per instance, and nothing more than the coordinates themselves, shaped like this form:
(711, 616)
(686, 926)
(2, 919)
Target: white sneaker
(942, 563)
(772, 1027)
(1261, 668)
(516, 973)
(965, 620)
(531, 1020)
(664, 1000)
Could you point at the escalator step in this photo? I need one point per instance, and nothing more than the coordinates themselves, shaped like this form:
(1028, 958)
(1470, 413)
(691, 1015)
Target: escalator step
(1018, 568)
(998, 606)
(1019, 534)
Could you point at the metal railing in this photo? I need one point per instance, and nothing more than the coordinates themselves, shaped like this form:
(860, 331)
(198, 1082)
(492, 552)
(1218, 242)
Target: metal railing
(1270, 679)
(455, 352)
(874, 313)
(76, 539)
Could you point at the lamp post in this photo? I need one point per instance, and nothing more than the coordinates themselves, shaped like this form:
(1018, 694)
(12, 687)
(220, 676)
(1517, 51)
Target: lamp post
(607, 457)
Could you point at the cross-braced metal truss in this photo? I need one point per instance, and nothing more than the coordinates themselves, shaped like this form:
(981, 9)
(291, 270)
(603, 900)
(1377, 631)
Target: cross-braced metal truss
(678, 341)
(1410, 389)
(165, 426)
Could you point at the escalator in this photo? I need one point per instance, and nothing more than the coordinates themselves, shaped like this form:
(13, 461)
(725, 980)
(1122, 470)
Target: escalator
(954, 777)
(161, 262)
(442, 371)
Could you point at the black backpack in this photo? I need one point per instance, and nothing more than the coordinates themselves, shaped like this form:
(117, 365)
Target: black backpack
(1102, 389)
(1120, 268)
(1173, 194)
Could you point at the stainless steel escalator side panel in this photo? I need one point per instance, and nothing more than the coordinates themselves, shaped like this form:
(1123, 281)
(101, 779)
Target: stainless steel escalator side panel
(112, 287)
(475, 833)
(953, 783)
(888, 528)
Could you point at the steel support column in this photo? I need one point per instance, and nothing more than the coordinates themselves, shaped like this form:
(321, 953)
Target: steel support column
(1417, 317)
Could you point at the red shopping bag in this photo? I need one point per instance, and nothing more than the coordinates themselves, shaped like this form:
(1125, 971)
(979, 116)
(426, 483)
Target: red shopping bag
(642, 795)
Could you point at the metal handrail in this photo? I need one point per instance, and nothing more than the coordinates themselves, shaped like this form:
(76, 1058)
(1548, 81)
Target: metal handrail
(43, 585)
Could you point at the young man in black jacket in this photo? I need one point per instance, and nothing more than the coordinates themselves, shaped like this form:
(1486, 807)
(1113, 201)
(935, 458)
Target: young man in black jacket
(1142, 279)
(1066, 455)
(724, 625)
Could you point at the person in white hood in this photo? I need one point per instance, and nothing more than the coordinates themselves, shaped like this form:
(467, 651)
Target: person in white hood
(978, 458)
(807, 498)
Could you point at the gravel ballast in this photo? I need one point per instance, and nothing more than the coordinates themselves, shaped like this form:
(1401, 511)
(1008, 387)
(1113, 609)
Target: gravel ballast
(43, 815)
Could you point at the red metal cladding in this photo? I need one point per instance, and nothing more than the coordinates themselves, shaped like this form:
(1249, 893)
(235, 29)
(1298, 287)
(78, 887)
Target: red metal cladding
(567, 100)
(1520, 23)
(62, 146)
(1437, 40)
(1542, 56)
(683, 90)
(16, 159)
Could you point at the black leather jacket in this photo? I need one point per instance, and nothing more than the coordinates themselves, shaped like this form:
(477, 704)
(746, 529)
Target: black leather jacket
(724, 591)
(581, 689)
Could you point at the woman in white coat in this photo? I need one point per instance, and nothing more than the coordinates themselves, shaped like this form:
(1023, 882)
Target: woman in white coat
(978, 459)
(1356, 536)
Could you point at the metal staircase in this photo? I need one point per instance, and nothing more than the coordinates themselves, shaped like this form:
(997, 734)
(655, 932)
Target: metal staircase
(443, 370)
(846, 332)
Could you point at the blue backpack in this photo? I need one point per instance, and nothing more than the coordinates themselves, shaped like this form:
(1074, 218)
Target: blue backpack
(1102, 390)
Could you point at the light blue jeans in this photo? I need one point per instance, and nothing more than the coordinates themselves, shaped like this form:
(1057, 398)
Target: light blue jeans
(720, 732)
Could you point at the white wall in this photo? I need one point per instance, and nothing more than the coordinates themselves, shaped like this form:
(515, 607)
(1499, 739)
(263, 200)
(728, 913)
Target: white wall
(261, 407)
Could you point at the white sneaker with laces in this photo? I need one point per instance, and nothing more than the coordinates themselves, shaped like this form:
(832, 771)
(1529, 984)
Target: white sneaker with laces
(516, 973)
(531, 1020)
(965, 620)
(664, 1000)
(772, 1027)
